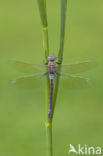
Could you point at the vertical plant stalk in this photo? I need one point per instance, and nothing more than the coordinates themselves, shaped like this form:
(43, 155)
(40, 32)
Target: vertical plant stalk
(43, 16)
(48, 122)
(63, 7)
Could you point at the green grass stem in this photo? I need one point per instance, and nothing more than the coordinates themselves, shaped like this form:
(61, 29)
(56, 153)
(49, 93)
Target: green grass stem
(43, 16)
(48, 122)
(63, 6)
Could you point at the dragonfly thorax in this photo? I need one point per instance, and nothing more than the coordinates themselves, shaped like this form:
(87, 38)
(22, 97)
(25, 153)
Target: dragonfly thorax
(51, 68)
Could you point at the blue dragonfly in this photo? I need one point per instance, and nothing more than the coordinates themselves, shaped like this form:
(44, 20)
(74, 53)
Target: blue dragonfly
(52, 69)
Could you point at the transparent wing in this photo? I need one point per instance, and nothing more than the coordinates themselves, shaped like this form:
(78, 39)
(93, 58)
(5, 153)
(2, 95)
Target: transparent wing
(32, 81)
(28, 67)
(75, 82)
(78, 67)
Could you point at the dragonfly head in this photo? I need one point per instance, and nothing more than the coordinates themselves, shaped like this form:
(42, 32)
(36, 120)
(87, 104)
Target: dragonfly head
(51, 57)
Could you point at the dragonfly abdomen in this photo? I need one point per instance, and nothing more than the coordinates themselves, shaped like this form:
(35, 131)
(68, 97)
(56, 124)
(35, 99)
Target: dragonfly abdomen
(51, 77)
(50, 97)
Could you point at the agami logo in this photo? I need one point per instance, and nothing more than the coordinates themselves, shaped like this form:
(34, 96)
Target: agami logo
(85, 149)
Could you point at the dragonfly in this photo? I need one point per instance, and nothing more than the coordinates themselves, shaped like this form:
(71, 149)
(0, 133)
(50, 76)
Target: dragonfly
(52, 69)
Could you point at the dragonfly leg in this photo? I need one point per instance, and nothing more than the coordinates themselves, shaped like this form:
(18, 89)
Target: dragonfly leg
(46, 73)
(57, 74)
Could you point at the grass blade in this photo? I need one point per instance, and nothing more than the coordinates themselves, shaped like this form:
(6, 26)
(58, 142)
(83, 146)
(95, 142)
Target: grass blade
(43, 16)
(63, 6)
(48, 124)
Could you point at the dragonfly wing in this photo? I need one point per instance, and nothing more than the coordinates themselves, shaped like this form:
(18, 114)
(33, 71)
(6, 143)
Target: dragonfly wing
(75, 82)
(27, 67)
(78, 67)
(32, 81)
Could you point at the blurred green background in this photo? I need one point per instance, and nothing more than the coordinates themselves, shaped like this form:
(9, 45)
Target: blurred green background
(78, 117)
